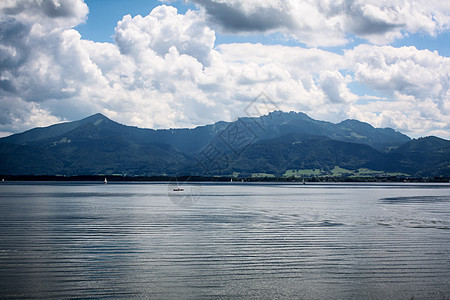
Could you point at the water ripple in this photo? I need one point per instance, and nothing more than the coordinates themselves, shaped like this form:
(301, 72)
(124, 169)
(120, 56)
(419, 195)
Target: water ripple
(131, 241)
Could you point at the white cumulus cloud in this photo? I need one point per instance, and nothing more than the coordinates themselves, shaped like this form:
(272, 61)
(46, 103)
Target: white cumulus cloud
(417, 79)
(163, 69)
(330, 22)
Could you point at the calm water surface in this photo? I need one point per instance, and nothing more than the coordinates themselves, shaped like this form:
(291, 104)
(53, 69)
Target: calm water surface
(336, 241)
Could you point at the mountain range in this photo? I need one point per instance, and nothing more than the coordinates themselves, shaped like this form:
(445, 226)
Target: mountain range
(279, 144)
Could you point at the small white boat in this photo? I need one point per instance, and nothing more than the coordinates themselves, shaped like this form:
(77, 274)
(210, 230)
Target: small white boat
(105, 181)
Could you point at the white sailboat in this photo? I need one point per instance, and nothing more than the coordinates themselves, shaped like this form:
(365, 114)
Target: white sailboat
(105, 181)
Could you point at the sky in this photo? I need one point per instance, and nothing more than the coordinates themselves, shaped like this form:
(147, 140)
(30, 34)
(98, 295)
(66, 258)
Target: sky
(172, 64)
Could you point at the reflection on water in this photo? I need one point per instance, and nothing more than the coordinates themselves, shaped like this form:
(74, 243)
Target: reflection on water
(238, 240)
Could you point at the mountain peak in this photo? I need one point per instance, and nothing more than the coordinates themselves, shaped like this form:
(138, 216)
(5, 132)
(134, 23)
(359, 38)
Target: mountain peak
(291, 114)
(352, 123)
(96, 120)
(99, 115)
(95, 117)
(426, 144)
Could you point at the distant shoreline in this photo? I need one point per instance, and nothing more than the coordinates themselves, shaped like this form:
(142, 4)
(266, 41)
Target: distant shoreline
(113, 178)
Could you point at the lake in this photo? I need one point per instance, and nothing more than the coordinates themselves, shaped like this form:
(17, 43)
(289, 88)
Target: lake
(227, 240)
